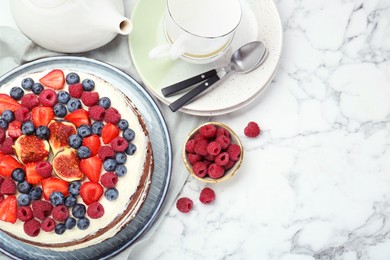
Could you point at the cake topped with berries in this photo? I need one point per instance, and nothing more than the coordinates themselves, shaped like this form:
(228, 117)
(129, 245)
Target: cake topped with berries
(75, 159)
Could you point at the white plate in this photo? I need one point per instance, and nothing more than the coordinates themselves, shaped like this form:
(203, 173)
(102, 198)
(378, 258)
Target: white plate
(260, 21)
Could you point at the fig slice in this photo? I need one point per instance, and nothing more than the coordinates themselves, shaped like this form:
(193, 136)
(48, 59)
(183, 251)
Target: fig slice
(59, 134)
(29, 148)
(66, 164)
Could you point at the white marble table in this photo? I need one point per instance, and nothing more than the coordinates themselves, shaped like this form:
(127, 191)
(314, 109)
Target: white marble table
(316, 183)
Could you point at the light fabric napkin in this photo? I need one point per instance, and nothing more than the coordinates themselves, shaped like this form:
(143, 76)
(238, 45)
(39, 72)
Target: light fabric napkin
(16, 49)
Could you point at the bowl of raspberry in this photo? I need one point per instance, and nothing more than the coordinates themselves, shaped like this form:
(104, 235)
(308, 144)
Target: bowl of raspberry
(213, 152)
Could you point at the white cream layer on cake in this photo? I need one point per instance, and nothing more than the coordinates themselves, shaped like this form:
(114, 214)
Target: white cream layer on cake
(127, 185)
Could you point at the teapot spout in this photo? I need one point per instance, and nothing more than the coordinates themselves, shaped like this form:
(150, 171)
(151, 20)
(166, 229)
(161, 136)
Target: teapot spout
(123, 25)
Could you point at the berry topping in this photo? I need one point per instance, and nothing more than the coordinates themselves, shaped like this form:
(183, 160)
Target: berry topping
(105, 102)
(7, 164)
(72, 78)
(52, 184)
(119, 144)
(105, 152)
(93, 143)
(74, 188)
(6, 146)
(16, 93)
(73, 104)
(90, 98)
(24, 187)
(120, 158)
(97, 127)
(201, 147)
(8, 187)
(44, 169)
(14, 130)
(112, 115)
(27, 83)
(35, 193)
(70, 223)
(79, 210)
(252, 130)
(88, 84)
(37, 88)
(128, 134)
(8, 116)
(24, 200)
(109, 180)
(83, 152)
(131, 149)
(109, 164)
(32, 227)
(18, 174)
(70, 201)
(207, 196)
(78, 117)
(8, 209)
(2, 135)
(91, 192)
(83, 223)
(184, 205)
(60, 228)
(60, 110)
(120, 170)
(111, 194)
(96, 112)
(63, 97)
(55, 79)
(123, 124)
(42, 132)
(60, 213)
(22, 114)
(95, 210)
(213, 148)
(190, 146)
(48, 224)
(30, 101)
(208, 131)
(109, 132)
(28, 128)
(91, 167)
(48, 98)
(57, 198)
(223, 140)
(215, 171)
(75, 90)
(41, 209)
(75, 141)
(24, 213)
(8, 103)
(193, 158)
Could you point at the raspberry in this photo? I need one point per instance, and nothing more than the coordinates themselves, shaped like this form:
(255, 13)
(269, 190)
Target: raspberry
(44, 169)
(208, 131)
(2, 135)
(60, 213)
(198, 137)
(48, 224)
(96, 113)
(1, 180)
(234, 152)
(95, 210)
(90, 98)
(32, 227)
(200, 169)
(209, 158)
(48, 97)
(25, 213)
(229, 165)
(207, 163)
(184, 205)
(112, 116)
(119, 144)
(190, 145)
(109, 179)
(105, 152)
(22, 114)
(223, 140)
(213, 148)
(6, 146)
(215, 171)
(76, 90)
(41, 209)
(207, 196)
(222, 159)
(1, 197)
(252, 129)
(8, 187)
(193, 158)
(30, 101)
(223, 131)
(14, 129)
(201, 147)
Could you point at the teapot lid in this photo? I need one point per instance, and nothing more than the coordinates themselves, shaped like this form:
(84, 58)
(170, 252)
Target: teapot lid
(48, 3)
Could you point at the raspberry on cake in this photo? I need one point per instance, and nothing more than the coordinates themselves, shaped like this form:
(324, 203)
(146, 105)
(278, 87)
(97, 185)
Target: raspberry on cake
(66, 148)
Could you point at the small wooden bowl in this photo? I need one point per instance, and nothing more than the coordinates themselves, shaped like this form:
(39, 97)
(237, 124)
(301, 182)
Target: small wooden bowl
(228, 173)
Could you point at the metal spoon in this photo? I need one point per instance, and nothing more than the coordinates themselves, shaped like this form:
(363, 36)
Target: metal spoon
(244, 60)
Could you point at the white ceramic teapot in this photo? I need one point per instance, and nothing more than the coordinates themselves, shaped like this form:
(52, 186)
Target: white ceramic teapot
(71, 26)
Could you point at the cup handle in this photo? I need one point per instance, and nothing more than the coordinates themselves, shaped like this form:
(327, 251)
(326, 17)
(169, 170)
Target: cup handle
(173, 51)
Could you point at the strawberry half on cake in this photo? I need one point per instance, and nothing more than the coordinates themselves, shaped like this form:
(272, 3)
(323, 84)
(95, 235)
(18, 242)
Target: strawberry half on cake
(75, 159)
